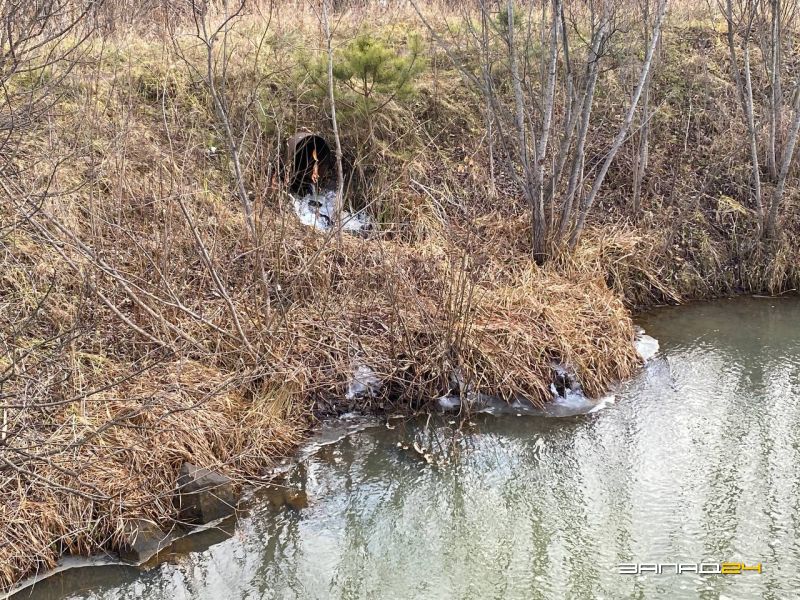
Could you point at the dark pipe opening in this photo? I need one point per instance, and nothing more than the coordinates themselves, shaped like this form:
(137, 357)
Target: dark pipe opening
(308, 155)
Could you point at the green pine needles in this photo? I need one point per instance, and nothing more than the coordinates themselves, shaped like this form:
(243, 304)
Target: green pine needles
(370, 74)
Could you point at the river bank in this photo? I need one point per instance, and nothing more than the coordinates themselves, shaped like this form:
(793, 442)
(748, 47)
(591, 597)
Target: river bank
(646, 478)
(147, 326)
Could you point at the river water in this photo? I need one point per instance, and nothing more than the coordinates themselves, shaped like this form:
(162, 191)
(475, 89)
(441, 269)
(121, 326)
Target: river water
(698, 461)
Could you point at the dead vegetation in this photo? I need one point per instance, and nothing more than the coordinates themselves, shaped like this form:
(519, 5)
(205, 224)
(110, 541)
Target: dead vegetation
(145, 322)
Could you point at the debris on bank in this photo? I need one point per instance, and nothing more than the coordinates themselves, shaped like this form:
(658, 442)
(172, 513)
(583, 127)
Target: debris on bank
(647, 346)
(364, 382)
(312, 185)
(319, 210)
(573, 404)
(568, 399)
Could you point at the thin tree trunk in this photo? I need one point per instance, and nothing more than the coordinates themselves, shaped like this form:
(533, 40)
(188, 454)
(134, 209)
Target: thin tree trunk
(541, 229)
(569, 103)
(744, 88)
(643, 154)
(788, 155)
(486, 73)
(334, 124)
(776, 96)
(751, 126)
(550, 88)
(570, 124)
(623, 131)
(529, 185)
(233, 147)
(519, 104)
(593, 68)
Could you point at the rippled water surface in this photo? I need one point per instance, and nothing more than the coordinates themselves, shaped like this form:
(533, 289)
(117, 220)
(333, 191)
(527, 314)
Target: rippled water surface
(698, 460)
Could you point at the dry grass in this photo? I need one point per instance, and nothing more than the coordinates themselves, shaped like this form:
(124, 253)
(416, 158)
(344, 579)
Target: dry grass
(114, 458)
(414, 313)
(142, 327)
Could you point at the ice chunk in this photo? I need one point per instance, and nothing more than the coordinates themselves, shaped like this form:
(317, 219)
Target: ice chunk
(365, 382)
(646, 346)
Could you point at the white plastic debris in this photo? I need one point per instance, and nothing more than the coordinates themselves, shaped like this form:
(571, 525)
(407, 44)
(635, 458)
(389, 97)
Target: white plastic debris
(646, 346)
(604, 402)
(568, 399)
(319, 210)
(365, 382)
(449, 403)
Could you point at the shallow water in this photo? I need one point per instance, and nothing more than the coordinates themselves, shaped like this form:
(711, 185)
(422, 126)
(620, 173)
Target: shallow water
(698, 461)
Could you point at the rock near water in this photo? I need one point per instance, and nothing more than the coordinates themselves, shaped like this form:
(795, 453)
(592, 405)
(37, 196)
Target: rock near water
(204, 495)
(144, 539)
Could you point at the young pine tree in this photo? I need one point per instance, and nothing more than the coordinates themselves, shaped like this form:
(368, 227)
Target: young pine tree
(373, 74)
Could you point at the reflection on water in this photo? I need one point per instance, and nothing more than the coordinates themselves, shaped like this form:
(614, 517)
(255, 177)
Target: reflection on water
(698, 461)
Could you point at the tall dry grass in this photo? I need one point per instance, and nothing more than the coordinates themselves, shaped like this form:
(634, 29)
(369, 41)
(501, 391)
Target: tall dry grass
(142, 326)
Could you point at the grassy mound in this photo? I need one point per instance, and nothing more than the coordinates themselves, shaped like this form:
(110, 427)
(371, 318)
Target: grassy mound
(116, 414)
